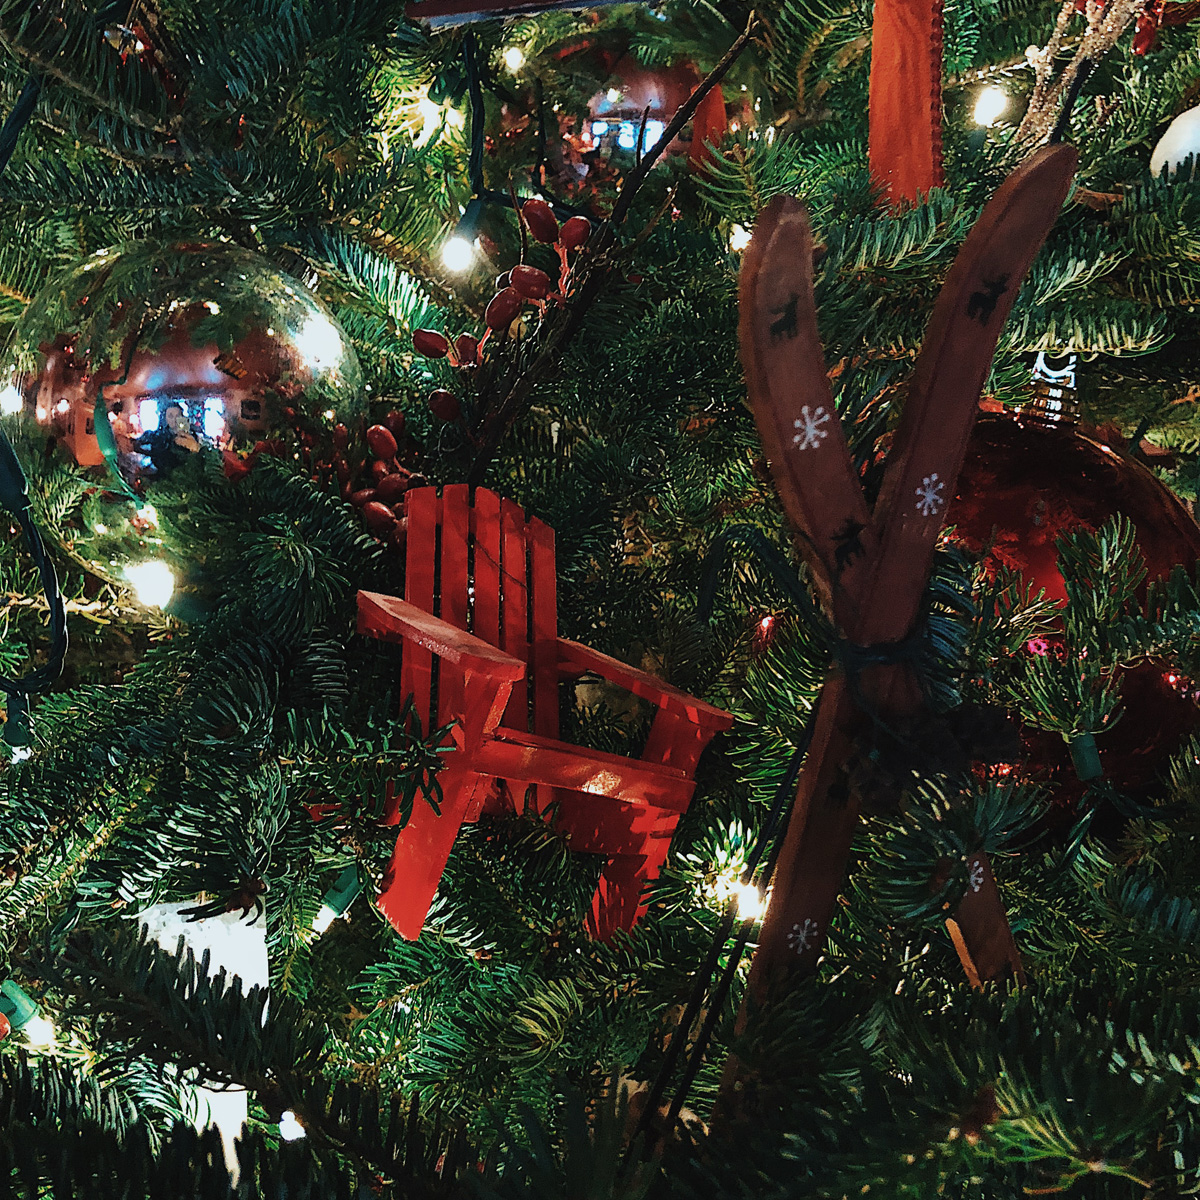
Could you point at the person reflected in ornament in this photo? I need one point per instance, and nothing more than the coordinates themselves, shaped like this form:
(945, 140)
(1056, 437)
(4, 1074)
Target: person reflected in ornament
(169, 445)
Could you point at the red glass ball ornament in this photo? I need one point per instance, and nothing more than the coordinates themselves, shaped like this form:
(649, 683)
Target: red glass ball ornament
(633, 88)
(1026, 483)
(5, 1027)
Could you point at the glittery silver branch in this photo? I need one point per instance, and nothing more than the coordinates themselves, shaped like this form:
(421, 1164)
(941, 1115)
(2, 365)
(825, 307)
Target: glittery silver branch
(1105, 24)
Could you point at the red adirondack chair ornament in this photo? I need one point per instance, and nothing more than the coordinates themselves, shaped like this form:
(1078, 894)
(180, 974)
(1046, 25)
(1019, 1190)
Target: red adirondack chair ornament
(481, 565)
(871, 568)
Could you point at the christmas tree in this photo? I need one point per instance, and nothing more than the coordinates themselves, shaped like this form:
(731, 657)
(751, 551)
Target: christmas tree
(453, 744)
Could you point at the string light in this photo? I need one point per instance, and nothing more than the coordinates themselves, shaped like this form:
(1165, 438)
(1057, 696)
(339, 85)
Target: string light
(514, 58)
(336, 902)
(290, 1128)
(751, 903)
(10, 400)
(39, 1031)
(739, 238)
(153, 583)
(458, 254)
(990, 105)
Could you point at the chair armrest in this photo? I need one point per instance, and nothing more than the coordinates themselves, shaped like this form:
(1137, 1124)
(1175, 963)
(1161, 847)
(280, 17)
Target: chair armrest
(575, 660)
(394, 620)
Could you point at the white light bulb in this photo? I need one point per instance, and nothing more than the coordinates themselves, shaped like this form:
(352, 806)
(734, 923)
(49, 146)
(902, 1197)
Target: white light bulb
(38, 1031)
(739, 238)
(612, 95)
(290, 1129)
(514, 58)
(153, 583)
(10, 400)
(750, 901)
(61, 407)
(22, 753)
(149, 514)
(990, 105)
(457, 254)
(324, 919)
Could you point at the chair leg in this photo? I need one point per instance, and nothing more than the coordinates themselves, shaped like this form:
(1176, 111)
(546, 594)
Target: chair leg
(422, 848)
(617, 902)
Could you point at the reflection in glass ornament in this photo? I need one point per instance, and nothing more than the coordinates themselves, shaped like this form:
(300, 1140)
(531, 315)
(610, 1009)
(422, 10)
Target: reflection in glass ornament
(180, 346)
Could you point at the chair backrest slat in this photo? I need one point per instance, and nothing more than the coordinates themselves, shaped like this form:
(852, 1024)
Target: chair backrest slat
(423, 509)
(543, 605)
(485, 526)
(453, 587)
(514, 605)
(482, 567)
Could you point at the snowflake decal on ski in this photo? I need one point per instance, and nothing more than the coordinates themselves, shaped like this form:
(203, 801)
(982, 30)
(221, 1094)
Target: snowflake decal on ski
(810, 427)
(802, 936)
(975, 875)
(929, 495)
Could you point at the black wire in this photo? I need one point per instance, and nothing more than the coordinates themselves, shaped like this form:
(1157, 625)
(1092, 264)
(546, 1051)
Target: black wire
(1064, 117)
(853, 659)
(14, 495)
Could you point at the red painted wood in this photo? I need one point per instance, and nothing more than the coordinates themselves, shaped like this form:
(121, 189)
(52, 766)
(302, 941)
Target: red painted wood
(394, 620)
(452, 590)
(527, 758)
(623, 808)
(543, 608)
(575, 660)
(419, 858)
(905, 105)
(514, 604)
(543, 645)
(486, 527)
(423, 510)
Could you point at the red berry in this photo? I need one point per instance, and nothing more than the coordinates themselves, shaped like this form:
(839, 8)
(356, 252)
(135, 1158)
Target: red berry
(395, 422)
(399, 534)
(503, 281)
(391, 488)
(381, 468)
(341, 437)
(575, 231)
(378, 517)
(416, 481)
(381, 441)
(430, 343)
(503, 308)
(342, 467)
(467, 349)
(530, 282)
(540, 218)
(444, 405)
(362, 497)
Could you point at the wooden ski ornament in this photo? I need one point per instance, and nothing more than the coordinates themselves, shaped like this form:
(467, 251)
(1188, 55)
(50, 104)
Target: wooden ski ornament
(872, 570)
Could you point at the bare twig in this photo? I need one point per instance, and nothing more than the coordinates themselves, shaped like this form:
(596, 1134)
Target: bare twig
(500, 408)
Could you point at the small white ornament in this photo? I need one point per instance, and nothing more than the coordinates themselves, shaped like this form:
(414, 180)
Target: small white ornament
(929, 496)
(1181, 141)
(802, 936)
(810, 432)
